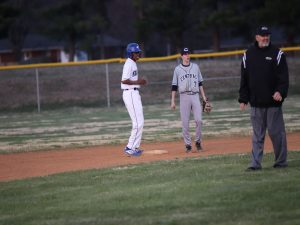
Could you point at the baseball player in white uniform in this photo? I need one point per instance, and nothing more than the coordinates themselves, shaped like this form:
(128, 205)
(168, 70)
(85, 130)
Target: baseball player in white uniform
(187, 80)
(130, 85)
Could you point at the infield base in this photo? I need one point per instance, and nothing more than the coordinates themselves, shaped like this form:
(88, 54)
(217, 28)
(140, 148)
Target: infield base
(156, 152)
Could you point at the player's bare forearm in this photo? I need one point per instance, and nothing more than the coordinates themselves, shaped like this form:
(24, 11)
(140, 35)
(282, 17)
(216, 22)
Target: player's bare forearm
(173, 105)
(202, 93)
(140, 81)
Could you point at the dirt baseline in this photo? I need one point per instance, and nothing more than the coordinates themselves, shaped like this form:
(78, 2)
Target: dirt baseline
(43, 163)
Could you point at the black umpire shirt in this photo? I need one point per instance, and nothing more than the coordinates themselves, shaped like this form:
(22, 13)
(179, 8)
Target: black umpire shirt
(263, 72)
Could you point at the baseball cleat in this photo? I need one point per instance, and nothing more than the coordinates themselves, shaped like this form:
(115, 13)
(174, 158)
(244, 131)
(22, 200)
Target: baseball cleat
(139, 150)
(132, 152)
(198, 145)
(188, 148)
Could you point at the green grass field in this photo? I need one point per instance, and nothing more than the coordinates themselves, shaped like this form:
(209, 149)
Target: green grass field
(81, 127)
(205, 190)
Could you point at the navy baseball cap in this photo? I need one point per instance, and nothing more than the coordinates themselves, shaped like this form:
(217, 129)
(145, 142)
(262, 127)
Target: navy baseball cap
(263, 30)
(185, 51)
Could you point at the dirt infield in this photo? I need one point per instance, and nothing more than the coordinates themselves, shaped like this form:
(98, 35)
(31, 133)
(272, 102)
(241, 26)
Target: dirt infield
(33, 164)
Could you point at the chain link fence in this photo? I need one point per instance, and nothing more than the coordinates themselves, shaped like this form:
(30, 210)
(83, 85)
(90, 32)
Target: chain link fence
(39, 88)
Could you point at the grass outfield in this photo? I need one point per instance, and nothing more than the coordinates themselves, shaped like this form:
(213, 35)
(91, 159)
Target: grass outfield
(82, 127)
(211, 190)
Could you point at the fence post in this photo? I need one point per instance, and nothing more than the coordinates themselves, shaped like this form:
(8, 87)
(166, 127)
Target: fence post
(37, 89)
(107, 85)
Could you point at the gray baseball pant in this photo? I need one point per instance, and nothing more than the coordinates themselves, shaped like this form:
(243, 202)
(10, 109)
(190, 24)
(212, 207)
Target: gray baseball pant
(270, 119)
(190, 103)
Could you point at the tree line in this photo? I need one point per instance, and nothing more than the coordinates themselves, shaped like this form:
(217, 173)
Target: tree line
(78, 23)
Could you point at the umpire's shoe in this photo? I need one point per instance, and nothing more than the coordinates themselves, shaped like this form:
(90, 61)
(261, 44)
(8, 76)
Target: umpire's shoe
(252, 168)
(188, 148)
(198, 146)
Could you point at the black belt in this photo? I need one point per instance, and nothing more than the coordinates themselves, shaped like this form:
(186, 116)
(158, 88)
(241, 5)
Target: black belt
(136, 89)
(189, 93)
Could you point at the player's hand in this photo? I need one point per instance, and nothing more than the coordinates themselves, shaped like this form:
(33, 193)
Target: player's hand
(243, 106)
(206, 106)
(277, 96)
(142, 81)
(173, 105)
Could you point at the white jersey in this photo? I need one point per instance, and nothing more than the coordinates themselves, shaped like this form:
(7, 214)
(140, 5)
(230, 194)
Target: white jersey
(130, 72)
(187, 78)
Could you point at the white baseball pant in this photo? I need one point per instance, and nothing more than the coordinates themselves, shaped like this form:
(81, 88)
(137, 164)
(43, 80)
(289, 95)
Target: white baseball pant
(133, 103)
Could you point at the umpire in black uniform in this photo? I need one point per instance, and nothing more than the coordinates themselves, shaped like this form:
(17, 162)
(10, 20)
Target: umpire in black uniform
(264, 84)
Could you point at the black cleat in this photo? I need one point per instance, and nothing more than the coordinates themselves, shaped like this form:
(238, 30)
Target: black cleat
(198, 146)
(188, 148)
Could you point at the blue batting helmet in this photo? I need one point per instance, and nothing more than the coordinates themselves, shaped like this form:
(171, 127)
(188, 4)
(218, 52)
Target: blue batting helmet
(131, 48)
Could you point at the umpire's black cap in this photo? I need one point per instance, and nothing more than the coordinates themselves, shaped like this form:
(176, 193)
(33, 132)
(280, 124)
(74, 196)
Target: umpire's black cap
(263, 30)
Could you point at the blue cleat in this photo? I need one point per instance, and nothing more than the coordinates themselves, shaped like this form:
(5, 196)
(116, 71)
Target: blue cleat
(132, 152)
(139, 150)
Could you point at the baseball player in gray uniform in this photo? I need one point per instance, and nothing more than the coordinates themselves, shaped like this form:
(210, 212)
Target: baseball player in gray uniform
(187, 80)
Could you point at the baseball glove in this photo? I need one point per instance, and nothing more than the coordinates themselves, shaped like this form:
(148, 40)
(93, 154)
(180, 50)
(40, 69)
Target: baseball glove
(206, 106)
